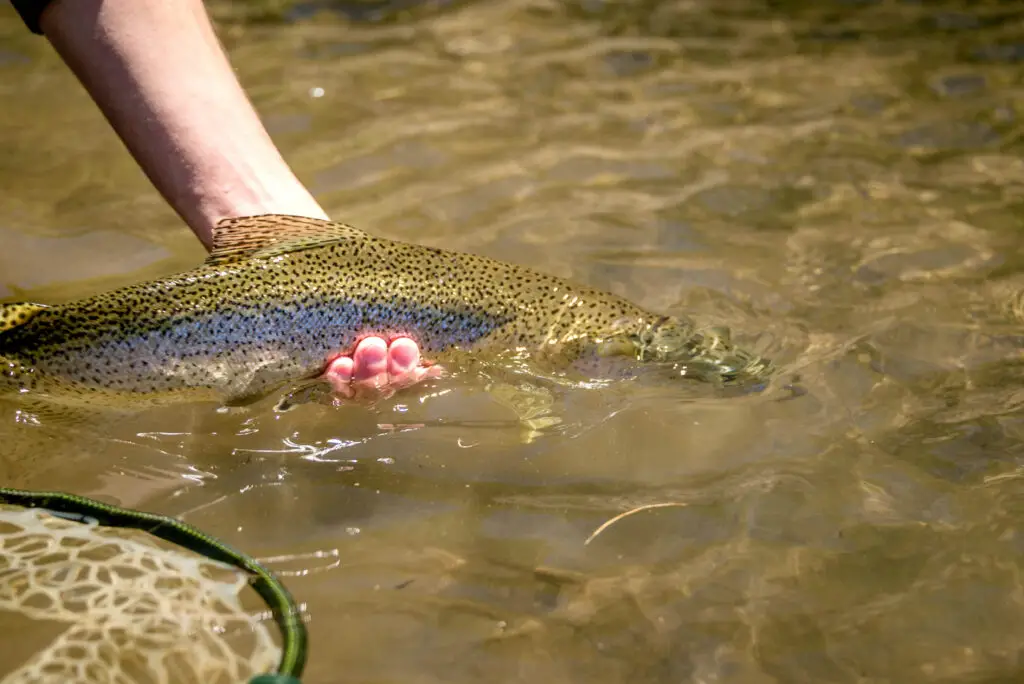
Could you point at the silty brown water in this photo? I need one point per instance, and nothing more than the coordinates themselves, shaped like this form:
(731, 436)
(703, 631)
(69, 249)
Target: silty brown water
(838, 183)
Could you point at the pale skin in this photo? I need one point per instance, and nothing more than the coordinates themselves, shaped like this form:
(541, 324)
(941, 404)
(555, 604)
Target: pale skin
(160, 76)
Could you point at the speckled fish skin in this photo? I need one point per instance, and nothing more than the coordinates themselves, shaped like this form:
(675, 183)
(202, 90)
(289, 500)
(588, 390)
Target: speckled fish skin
(280, 296)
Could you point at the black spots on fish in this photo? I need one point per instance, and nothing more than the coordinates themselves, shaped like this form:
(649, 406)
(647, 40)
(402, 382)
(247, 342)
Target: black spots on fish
(18, 314)
(20, 377)
(93, 373)
(298, 302)
(11, 370)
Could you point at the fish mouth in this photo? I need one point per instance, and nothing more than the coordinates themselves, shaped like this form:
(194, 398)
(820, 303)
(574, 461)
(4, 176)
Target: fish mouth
(706, 354)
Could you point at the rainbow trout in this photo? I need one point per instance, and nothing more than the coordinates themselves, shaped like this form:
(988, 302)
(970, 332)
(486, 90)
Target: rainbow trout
(280, 295)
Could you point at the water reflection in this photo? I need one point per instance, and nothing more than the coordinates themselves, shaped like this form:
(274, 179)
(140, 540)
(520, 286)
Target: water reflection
(838, 182)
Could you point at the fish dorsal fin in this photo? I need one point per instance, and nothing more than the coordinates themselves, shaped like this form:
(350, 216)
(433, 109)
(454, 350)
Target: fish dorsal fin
(18, 313)
(268, 234)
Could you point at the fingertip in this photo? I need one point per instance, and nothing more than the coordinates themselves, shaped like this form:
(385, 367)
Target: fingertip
(339, 375)
(403, 356)
(370, 358)
(371, 344)
(340, 369)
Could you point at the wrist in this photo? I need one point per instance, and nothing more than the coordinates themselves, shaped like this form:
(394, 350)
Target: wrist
(161, 78)
(231, 197)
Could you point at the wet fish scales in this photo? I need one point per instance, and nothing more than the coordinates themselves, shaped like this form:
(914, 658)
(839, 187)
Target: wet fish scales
(280, 295)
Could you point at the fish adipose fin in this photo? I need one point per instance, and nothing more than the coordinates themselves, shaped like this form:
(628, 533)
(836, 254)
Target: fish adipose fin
(17, 313)
(270, 234)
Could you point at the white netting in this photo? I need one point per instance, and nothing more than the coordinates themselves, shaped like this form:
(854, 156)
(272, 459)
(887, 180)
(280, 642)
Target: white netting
(135, 612)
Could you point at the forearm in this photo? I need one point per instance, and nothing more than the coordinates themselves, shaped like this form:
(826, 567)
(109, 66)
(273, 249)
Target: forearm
(158, 73)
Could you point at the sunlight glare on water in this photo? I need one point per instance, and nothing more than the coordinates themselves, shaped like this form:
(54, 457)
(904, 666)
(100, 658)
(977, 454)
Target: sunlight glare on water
(838, 182)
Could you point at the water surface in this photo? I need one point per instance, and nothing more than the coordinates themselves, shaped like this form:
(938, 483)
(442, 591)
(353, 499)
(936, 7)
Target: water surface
(838, 182)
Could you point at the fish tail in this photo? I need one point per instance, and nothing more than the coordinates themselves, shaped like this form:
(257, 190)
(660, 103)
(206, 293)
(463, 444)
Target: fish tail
(11, 373)
(16, 314)
(8, 382)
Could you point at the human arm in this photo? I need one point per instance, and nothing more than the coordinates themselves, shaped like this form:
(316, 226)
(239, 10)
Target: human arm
(160, 76)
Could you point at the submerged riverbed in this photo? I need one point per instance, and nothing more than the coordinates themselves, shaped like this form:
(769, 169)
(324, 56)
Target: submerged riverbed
(840, 183)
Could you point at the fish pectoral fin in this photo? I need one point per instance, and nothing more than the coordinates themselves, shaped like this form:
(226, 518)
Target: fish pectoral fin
(241, 395)
(18, 313)
(314, 391)
(269, 234)
(242, 399)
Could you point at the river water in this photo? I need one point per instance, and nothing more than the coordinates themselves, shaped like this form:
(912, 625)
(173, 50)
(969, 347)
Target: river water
(838, 182)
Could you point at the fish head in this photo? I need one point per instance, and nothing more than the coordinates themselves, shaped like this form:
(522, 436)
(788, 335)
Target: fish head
(706, 354)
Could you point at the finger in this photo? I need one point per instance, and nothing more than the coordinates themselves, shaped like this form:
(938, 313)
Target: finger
(371, 362)
(339, 375)
(403, 358)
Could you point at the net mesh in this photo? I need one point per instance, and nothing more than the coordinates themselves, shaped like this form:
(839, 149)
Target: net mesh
(128, 610)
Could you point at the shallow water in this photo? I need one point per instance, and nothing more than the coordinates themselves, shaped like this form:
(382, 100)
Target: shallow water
(838, 182)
